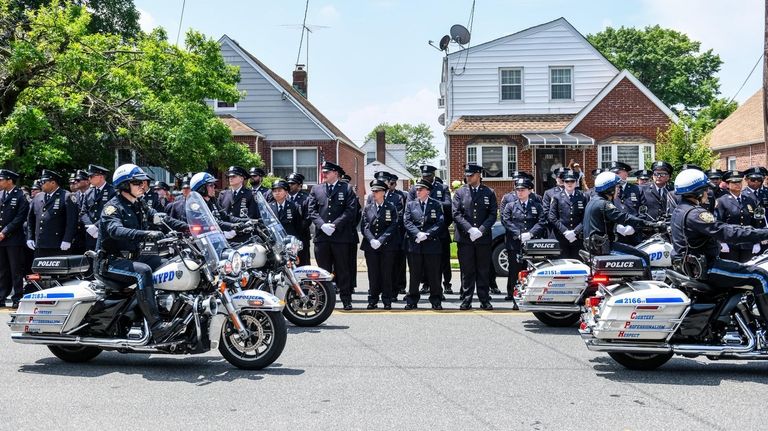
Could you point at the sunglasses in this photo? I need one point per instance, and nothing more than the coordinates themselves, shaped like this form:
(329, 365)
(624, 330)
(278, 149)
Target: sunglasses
(660, 174)
(569, 181)
(136, 182)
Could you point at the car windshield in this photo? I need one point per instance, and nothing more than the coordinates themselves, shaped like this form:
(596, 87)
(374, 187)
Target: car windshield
(203, 227)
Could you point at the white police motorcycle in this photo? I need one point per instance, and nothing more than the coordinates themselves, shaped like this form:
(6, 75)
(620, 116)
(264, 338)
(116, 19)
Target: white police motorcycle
(202, 286)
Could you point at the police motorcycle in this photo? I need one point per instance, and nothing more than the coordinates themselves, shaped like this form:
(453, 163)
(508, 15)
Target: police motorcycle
(202, 286)
(270, 259)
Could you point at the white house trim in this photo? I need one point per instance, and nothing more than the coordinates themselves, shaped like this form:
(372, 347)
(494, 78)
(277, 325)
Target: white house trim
(608, 88)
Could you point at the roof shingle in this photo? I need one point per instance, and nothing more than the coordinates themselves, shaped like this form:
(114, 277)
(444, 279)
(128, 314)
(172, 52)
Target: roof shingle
(509, 124)
(744, 126)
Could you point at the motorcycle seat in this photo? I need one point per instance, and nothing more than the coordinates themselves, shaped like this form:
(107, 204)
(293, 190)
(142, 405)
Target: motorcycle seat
(686, 282)
(112, 286)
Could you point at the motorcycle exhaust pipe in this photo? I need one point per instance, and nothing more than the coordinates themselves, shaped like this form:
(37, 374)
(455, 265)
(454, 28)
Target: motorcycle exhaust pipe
(688, 349)
(107, 343)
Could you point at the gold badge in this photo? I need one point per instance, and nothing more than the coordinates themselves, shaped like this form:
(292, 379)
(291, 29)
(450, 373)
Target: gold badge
(706, 217)
(109, 210)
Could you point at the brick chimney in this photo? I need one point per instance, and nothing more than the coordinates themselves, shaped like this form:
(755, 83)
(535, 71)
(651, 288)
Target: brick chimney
(380, 146)
(300, 80)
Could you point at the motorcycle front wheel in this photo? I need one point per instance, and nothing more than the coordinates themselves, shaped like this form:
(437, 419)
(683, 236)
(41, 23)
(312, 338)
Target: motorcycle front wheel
(641, 361)
(321, 300)
(268, 333)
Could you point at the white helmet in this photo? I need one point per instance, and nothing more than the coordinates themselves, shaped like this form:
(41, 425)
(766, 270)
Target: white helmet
(606, 181)
(128, 172)
(691, 182)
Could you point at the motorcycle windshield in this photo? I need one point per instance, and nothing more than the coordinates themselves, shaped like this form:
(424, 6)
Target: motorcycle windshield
(270, 220)
(205, 230)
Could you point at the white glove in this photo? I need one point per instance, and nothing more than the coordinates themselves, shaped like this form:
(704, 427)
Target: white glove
(31, 244)
(375, 244)
(328, 228)
(92, 230)
(756, 249)
(474, 233)
(65, 245)
(229, 234)
(620, 229)
(525, 236)
(724, 248)
(629, 230)
(421, 236)
(570, 235)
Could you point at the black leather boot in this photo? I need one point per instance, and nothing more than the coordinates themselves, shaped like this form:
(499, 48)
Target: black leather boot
(159, 329)
(761, 300)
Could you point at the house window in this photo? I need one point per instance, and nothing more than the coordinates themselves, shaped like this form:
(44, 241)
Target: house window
(498, 161)
(731, 163)
(301, 160)
(511, 82)
(636, 156)
(561, 83)
(125, 155)
(219, 105)
(370, 157)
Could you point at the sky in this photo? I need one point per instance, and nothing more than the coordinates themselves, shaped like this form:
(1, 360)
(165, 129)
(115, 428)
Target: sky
(369, 61)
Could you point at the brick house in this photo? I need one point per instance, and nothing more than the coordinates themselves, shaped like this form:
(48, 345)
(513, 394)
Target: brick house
(277, 121)
(539, 99)
(739, 138)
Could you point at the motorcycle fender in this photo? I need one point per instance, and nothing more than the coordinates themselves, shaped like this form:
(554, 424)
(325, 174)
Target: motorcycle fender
(257, 300)
(314, 273)
(215, 328)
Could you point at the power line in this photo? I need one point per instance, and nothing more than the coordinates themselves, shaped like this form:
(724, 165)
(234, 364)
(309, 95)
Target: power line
(748, 76)
(181, 18)
(303, 28)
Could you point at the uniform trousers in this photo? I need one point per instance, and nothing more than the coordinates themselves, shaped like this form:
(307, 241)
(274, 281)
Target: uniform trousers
(424, 266)
(338, 259)
(473, 259)
(380, 274)
(11, 272)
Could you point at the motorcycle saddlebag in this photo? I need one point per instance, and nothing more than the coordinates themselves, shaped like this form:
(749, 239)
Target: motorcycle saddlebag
(619, 266)
(61, 265)
(53, 311)
(563, 281)
(541, 247)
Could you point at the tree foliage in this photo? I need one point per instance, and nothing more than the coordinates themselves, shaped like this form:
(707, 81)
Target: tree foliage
(70, 93)
(666, 61)
(686, 142)
(417, 139)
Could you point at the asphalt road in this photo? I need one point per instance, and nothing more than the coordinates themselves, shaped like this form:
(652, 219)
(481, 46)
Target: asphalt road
(395, 370)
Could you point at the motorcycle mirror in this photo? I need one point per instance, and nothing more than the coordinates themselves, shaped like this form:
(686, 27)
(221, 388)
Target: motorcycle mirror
(643, 209)
(159, 217)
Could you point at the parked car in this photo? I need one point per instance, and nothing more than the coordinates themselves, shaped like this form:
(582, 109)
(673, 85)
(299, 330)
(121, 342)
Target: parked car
(499, 252)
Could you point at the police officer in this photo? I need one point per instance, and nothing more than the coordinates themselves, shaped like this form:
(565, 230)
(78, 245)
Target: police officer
(755, 177)
(257, 175)
(152, 197)
(176, 209)
(442, 194)
(628, 199)
(697, 235)
(737, 208)
(78, 185)
(546, 198)
(36, 188)
(381, 244)
(601, 218)
(300, 198)
(643, 177)
(345, 178)
(163, 191)
(78, 182)
(205, 184)
(125, 223)
(238, 200)
(13, 213)
(474, 211)
(658, 197)
(591, 192)
(332, 209)
(423, 221)
(93, 202)
(566, 214)
(52, 218)
(523, 219)
(288, 214)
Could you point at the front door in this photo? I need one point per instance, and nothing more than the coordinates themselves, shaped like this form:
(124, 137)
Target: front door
(546, 162)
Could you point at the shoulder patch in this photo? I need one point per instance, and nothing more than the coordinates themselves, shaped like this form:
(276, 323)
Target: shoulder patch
(109, 210)
(706, 217)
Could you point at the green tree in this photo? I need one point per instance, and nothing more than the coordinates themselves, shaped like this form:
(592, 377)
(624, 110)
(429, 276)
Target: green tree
(685, 142)
(417, 140)
(668, 62)
(75, 96)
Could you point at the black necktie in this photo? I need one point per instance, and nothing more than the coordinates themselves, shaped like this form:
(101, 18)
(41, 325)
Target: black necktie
(330, 188)
(424, 207)
(738, 199)
(47, 197)
(280, 208)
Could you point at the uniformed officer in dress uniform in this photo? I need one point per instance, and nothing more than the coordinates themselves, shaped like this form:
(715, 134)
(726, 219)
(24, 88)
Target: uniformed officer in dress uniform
(381, 244)
(288, 214)
(523, 219)
(715, 177)
(659, 197)
(163, 191)
(628, 199)
(205, 184)
(643, 177)
(755, 177)
(737, 208)
(300, 198)
(36, 188)
(397, 198)
(93, 202)
(474, 212)
(78, 182)
(332, 209)
(566, 214)
(52, 218)
(696, 236)
(257, 175)
(238, 201)
(423, 221)
(13, 212)
(546, 198)
(78, 185)
(591, 192)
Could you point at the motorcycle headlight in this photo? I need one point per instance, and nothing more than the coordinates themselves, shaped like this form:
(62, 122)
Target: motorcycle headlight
(231, 263)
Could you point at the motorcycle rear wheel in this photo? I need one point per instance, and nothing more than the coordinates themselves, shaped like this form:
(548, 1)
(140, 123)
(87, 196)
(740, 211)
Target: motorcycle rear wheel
(322, 301)
(641, 361)
(558, 320)
(262, 348)
(75, 354)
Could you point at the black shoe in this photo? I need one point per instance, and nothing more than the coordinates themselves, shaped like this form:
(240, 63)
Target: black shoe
(495, 291)
(448, 291)
(387, 306)
(371, 307)
(486, 306)
(466, 305)
(410, 306)
(162, 330)
(509, 298)
(442, 297)
(347, 307)
(515, 307)
(424, 289)
(437, 307)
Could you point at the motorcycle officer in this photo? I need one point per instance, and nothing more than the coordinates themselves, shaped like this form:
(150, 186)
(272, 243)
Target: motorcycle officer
(125, 222)
(696, 238)
(566, 214)
(205, 184)
(737, 208)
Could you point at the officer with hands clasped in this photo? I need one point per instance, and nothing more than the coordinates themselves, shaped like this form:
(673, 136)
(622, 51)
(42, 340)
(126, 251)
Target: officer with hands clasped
(52, 219)
(738, 208)
(566, 214)
(13, 213)
(381, 243)
(423, 222)
(125, 222)
(696, 238)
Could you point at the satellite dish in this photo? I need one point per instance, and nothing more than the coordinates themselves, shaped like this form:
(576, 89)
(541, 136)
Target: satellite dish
(444, 42)
(460, 34)
(441, 119)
